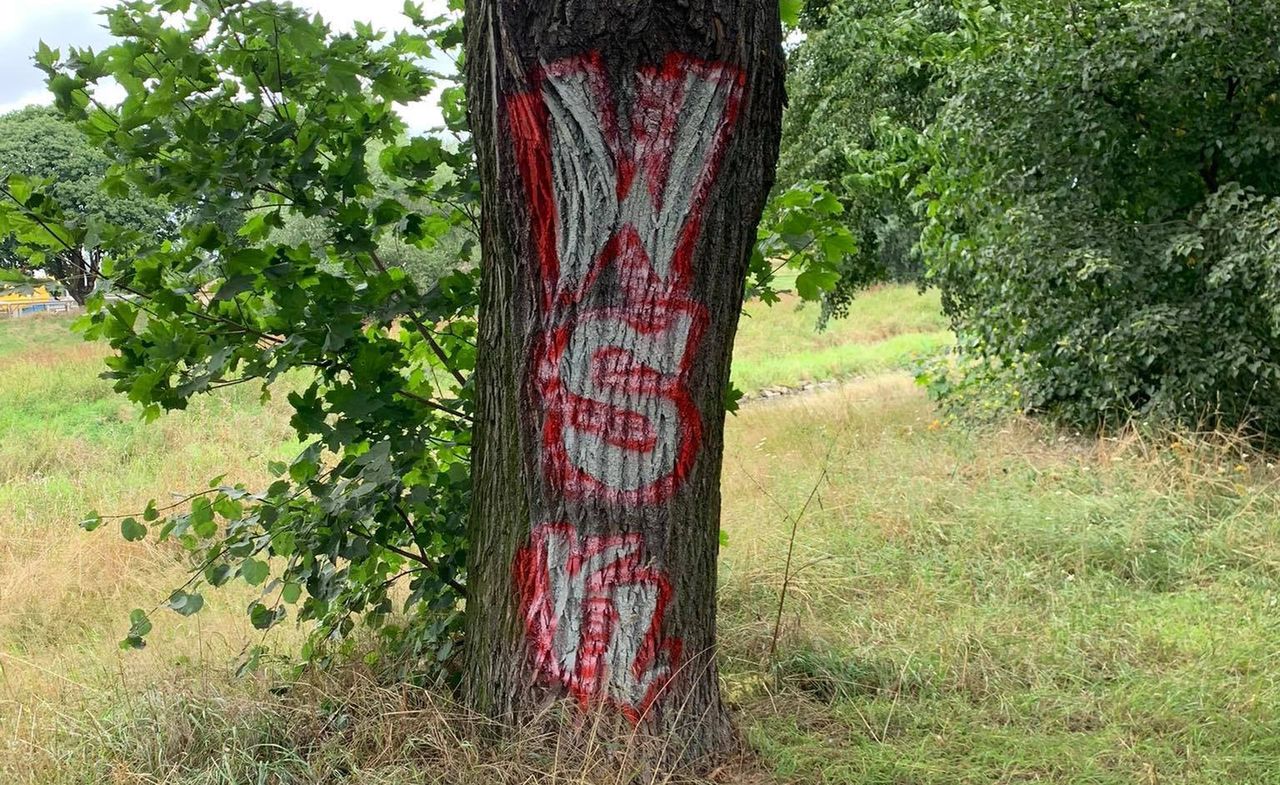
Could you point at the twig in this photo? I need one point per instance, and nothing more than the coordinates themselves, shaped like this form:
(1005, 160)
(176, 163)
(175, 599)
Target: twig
(787, 575)
(425, 332)
(786, 572)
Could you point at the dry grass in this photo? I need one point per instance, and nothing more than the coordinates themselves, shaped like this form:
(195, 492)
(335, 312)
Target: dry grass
(343, 727)
(1005, 605)
(68, 444)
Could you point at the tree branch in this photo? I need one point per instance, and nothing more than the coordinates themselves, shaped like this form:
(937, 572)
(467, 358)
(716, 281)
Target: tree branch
(425, 331)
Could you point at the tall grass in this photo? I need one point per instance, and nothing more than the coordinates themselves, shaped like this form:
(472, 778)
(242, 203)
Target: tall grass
(1011, 604)
(69, 444)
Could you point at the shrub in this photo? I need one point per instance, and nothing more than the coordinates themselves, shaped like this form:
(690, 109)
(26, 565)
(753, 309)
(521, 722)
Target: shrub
(1103, 210)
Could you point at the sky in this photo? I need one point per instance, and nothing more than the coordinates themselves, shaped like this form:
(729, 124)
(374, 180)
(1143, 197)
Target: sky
(63, 23)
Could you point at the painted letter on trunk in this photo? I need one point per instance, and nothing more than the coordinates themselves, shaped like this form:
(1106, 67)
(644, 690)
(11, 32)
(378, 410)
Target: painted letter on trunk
(616, 177)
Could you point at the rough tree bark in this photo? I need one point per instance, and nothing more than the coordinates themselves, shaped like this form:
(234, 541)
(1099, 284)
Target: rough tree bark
(626, 148)
(77, 272)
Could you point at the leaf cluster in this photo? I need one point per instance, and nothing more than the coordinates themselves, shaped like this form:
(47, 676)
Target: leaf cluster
(249, 116)
(1101, 208)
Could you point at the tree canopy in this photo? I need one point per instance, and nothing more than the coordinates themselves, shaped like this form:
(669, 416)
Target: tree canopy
(36, 142)
(1101, 202)
(1092, 185)
(862, 87)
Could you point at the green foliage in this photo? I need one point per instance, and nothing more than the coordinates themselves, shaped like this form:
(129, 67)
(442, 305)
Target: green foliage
(863, 85)
(1091, 184)
(1103, 209)
(37, 145)
(139, 627)
(426, 260)
(790, 11)
(252, 117)
(800, 230)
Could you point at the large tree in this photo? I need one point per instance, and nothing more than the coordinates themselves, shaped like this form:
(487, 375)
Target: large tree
(1102, 206)
(626, 151)
(624, 168)
(36, 142)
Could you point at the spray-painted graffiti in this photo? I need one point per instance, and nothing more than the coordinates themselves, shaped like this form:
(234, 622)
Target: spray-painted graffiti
(593, 610)
(616, 188)
(620, 196)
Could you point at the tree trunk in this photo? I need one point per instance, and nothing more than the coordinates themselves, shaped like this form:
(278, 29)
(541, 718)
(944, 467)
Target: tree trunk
(626, 148)
(77, 272)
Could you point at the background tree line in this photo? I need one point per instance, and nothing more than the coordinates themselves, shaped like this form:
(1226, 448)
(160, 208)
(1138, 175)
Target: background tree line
(1094, 186)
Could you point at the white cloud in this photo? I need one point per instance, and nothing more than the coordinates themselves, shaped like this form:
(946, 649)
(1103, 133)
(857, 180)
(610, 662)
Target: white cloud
(22, 17)
(25, 100)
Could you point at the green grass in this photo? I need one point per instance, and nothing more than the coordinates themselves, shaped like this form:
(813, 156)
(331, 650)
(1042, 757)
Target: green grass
(35, 332)
(965, 606)
(1000, 606)
(888, 327)
(68, 445)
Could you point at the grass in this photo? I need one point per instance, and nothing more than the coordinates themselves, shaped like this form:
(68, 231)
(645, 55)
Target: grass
(1004, 605)
(69, 444)
(888, 328)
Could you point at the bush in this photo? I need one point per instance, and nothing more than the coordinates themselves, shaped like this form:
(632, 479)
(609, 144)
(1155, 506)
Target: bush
(1103, 210)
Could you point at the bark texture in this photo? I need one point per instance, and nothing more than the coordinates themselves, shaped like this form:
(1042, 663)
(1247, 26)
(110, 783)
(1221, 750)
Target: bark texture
(626, 148)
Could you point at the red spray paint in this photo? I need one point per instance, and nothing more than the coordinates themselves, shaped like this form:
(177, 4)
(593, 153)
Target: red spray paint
(620, 197)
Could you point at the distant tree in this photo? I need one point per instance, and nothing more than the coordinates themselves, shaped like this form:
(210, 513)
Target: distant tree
(36, 143)
(863, 85)
(1102, 209)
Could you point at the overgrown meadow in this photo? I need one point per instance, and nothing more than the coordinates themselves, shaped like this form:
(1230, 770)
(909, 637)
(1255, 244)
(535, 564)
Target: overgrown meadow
(1005, 603)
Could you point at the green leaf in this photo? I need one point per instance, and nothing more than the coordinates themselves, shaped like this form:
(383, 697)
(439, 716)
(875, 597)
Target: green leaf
(20, 188)
(837, 245)
(139, 628)
(132, 530)
(46, 57)
(732, 398)
(790, 11)
(217, 574)
(262, 617)
(254, 571)
(202, 521)
(91, 521)
(811, 284)
(233, 286)
(185, 603)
